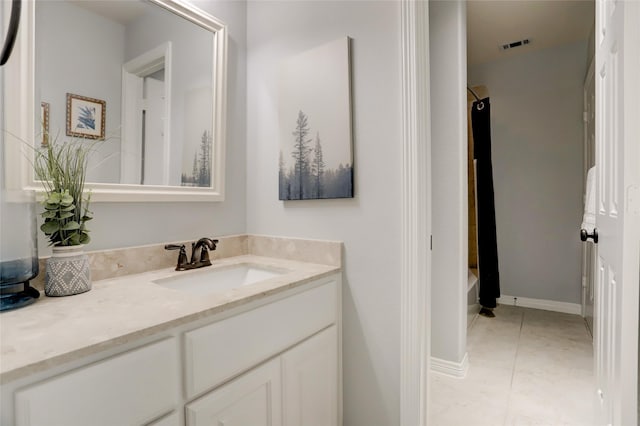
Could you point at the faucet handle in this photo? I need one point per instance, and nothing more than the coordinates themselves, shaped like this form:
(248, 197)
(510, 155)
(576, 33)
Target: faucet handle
(182, 256)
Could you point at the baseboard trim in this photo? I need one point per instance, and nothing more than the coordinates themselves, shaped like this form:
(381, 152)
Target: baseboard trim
(546, 305)
(449, 368)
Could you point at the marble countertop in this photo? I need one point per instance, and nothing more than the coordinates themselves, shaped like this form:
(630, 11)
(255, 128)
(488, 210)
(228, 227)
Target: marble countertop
(56, 330)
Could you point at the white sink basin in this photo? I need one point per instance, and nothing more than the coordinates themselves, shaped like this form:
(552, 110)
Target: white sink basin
(207, 280)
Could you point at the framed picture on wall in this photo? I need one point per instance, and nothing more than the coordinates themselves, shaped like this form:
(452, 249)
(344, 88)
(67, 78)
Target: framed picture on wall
(85, 117)
(316, 146)
(44, 118)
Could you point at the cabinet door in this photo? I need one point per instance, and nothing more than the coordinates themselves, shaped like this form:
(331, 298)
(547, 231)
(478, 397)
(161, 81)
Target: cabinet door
(172, 419)
(255, 336)
(254, 398)
(126, 390)
(310, 381)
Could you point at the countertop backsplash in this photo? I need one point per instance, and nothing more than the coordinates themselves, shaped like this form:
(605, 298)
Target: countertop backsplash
(134, 260)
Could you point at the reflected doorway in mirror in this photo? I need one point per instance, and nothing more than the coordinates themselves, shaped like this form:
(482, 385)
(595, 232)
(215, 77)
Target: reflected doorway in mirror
(146, 117)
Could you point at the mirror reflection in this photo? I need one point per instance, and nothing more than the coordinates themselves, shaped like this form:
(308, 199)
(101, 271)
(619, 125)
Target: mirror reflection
(136, 81)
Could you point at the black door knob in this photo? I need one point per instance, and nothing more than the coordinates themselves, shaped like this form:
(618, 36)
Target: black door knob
(584, 235)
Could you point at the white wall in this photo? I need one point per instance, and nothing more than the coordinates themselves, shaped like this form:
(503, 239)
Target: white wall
(536, 121)
(369, 224)
(130, 224)
(80, 52)
(448, 50)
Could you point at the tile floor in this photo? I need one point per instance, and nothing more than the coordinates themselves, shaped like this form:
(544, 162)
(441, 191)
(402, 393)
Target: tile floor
(526, 367)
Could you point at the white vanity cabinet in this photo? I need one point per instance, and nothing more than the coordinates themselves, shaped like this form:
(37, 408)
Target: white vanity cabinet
(274, 360)
(297, 388)
(129, 389)
(255, 399)
(310, 381)
(221, 350)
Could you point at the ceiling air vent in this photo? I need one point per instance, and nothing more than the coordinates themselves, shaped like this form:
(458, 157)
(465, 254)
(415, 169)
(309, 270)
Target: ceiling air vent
(513, 44)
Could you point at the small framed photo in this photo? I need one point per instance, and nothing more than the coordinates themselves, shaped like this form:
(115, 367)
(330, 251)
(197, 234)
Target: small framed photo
(85, 117)
(44, 118)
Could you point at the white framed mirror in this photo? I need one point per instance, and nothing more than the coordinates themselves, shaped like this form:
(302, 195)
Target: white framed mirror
(143, 81)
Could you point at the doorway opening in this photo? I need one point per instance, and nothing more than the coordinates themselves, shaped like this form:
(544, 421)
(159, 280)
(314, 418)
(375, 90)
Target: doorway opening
(146, 106)
(536, 91)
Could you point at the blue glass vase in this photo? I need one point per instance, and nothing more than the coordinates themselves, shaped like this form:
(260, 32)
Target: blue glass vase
(18, 249)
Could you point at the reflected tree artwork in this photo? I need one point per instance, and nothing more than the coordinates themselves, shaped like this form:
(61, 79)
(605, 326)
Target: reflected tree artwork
(201, 171)
(316, 156)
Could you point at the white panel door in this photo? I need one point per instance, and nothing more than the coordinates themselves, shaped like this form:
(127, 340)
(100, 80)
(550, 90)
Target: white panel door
(588, 250)
(253, 399)
(618, 211)
(310, 381)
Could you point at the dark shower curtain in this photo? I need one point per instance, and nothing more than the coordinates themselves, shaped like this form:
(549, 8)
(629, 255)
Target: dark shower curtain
(487, 243)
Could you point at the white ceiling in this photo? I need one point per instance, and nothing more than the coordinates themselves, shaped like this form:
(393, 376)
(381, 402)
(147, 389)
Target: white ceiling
(490, 23)
(121, 11)
(546, 23)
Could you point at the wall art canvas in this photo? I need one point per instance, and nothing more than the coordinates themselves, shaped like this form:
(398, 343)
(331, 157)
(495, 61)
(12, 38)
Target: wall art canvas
(85, 117)
(316, 149)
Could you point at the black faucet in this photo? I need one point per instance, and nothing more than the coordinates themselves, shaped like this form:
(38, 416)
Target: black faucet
(203, 245)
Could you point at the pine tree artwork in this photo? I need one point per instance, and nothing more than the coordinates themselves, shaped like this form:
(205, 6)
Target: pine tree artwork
(300, 154)
(201, 171)
(316, 158)
(309, 178)
(317, 167)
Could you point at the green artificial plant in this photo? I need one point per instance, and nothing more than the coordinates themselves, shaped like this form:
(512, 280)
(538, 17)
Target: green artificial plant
(62, 168)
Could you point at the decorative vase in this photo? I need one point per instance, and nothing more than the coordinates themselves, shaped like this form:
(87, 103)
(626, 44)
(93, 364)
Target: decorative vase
(18, 247)
(67, 272)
